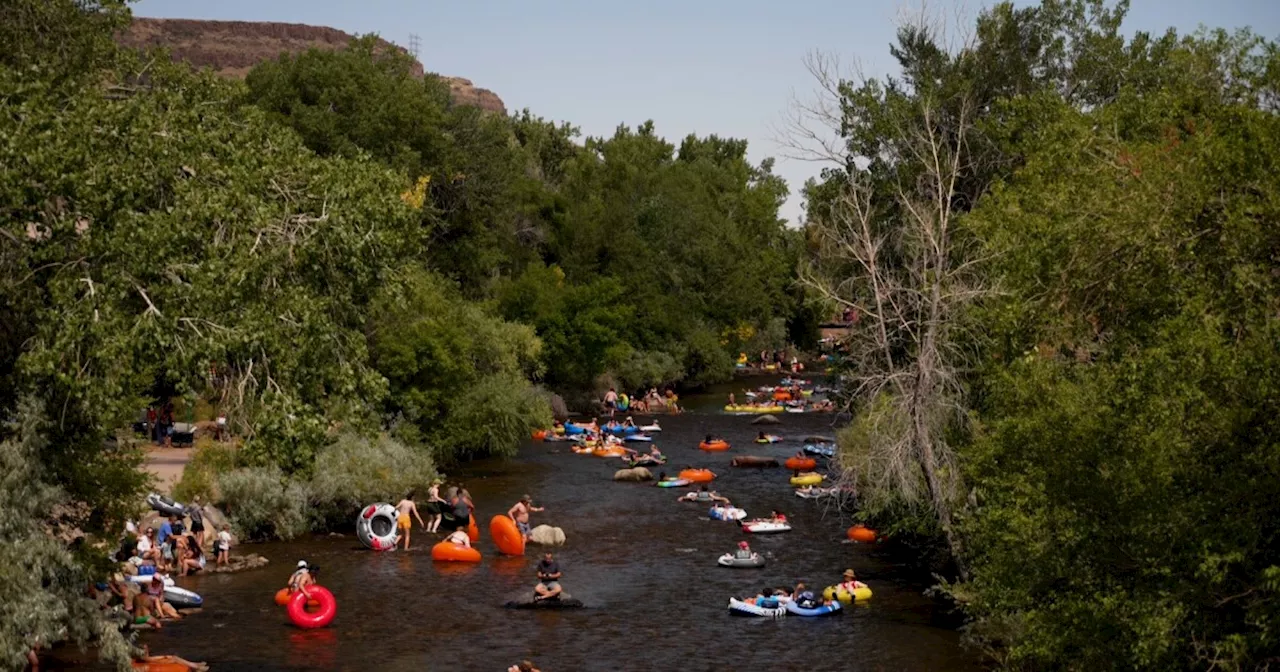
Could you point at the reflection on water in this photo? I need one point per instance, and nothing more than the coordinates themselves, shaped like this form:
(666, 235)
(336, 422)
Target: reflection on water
(644, 564)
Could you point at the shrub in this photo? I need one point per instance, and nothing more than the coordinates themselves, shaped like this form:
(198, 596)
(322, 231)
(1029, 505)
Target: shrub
(354, 471)
(200, 477)
(262, 503)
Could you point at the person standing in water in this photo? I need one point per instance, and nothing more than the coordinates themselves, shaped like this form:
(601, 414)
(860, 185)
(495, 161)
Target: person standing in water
(403, 509)
(520, 514)
(435, 507)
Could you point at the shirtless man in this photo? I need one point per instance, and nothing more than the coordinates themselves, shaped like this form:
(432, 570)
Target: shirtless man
(704, 495)
(301, 578)
(403, 509)
(520, 514)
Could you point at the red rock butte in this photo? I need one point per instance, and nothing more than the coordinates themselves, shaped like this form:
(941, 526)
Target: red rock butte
(232, 48)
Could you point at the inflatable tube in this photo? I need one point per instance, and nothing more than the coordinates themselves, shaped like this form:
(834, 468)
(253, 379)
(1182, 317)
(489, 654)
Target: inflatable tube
(807, 479)
(674, 483)
(861, 534)
(781, 395)
(630, 430)
(323, 614)
(748, 408)
(795, 409)
(450, 552)
(810, 492)
(651, 428)
(159, 667)
(540, 435)
(572, 429)
(821, 610)
(729, 513)
(714, 446)
(506, 535)
(610, 451)
(524, 600)
(376, 526)
(180, 598)
(698, 475)
(637, 437)
(860, 594)
(748, 609)
(165, 505)
(824, 451)
(765, 527)
(801, 463)
(473, 530)
(769, 438)
(730, 560)
(647, 461)
(283, 596)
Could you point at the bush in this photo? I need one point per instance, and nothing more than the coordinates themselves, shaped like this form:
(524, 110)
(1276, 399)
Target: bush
(200, 477)
(355, 471)
(262, 503)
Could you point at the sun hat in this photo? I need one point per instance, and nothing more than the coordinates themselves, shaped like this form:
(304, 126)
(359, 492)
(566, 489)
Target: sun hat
(849, 573)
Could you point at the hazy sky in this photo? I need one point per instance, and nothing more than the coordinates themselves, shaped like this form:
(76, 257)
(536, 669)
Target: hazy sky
(728, 67)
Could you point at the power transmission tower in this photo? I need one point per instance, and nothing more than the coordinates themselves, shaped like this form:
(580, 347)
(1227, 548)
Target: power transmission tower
(415, 43)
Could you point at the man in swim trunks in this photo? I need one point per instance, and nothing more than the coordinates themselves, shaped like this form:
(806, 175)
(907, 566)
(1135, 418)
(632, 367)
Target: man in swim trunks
(435, 506)
(520, 514)
(403, 509)
(548, 579)
(611, 401)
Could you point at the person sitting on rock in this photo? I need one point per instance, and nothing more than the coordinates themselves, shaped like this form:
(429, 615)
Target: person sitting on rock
(548, 579)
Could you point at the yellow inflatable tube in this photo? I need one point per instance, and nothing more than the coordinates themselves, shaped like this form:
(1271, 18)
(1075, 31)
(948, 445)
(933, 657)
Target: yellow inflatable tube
(807, 479)
(739, 408)
(860, 594)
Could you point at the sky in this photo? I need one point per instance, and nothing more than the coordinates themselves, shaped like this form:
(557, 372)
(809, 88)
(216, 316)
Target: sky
(725, 67)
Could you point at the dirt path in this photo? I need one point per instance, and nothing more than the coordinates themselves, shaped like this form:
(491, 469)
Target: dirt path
(167, 464)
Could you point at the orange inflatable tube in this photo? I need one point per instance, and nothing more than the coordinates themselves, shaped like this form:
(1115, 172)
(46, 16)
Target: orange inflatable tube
(801, 463)
(449, 552)
(781, 395)
(283, 596)
(157, 666)
(473, 530)
(506, 535)
(697, 475)
(540, 435)
(862, 534)
(611, 451)
(714, 446)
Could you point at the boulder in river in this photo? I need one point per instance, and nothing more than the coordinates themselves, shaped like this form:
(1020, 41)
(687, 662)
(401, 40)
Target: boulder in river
(239, 563)
(546, 535)
(634, 475)
(753, 461)
(524, 600)
(767, 420)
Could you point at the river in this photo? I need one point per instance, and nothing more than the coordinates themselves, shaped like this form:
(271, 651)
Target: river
(644, 564)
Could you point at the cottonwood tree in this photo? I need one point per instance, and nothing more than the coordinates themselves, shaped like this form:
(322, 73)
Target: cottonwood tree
(884, 242)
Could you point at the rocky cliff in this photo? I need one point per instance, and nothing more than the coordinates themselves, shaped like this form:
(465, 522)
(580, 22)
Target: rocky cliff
(232, 48)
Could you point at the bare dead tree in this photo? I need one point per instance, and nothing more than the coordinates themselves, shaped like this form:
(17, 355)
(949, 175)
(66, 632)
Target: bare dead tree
(886, 246)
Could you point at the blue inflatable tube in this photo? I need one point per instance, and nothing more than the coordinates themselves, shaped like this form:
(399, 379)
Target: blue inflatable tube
(821, 610)
(825, 451)
(630, 430)
(571, 429)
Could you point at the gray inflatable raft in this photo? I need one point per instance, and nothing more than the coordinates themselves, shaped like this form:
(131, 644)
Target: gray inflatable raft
(730, 560)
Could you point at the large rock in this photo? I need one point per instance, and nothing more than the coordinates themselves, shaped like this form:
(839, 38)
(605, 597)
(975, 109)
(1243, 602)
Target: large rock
(232, 48)
(634, 475)
(753, 461)
(238, 563)
(545, 535)
(767, 420)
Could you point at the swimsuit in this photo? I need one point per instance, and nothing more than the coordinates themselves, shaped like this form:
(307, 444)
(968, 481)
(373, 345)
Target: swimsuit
(402, 521)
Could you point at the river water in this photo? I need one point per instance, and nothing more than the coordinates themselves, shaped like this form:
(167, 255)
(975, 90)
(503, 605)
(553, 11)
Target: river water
(644, 564)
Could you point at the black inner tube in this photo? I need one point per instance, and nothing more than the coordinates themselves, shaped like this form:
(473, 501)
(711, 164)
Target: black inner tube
(381, 525)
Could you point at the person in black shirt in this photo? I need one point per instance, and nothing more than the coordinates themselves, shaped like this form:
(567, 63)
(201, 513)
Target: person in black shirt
(548, 579)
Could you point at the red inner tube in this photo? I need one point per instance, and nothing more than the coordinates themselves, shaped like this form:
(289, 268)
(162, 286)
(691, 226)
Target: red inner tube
(323, 614)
